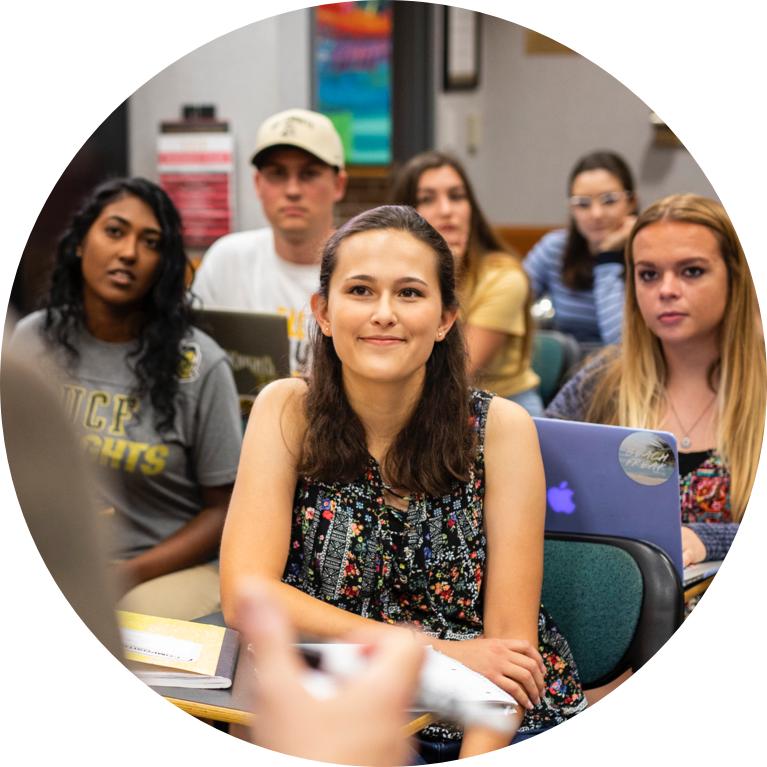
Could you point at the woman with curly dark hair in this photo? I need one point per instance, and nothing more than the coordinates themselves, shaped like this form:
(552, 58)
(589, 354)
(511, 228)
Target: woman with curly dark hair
(385, 491)
(153, 397)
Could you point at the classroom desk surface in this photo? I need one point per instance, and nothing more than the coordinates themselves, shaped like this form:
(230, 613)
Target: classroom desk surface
(233, 705)
(230, 705)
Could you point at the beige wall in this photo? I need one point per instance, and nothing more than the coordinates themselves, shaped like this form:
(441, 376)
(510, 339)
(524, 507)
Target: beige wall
(539, 113)
(248, 74)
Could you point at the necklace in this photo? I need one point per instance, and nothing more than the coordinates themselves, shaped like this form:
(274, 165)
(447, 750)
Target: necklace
(686, 439)
(403, 497)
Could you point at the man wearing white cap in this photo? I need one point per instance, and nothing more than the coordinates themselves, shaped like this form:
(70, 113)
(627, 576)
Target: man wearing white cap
(299, 176)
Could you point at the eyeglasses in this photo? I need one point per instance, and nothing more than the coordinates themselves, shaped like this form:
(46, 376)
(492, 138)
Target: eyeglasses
(583, 202)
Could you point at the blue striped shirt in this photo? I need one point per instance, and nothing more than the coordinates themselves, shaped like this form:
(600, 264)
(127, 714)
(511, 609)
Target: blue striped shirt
(592, 316)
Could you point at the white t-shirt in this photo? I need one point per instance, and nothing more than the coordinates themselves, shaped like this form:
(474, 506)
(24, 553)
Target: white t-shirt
(243, 271)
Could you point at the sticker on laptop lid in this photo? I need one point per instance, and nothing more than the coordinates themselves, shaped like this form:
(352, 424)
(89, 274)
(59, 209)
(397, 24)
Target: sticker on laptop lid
(647, 458)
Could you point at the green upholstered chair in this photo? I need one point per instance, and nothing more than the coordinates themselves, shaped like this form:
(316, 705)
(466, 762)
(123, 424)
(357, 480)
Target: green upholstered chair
(554, 355)
(616, 600)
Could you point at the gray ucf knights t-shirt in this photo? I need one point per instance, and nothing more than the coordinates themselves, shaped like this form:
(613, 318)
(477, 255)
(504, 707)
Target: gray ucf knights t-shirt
(153, 480)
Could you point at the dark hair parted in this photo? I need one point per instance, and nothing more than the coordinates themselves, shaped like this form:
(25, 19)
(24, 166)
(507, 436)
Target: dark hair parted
(164, 318)
(578, 263)
(437, 445)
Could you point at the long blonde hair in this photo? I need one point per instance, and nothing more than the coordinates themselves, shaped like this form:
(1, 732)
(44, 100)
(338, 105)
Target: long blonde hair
(633, 389)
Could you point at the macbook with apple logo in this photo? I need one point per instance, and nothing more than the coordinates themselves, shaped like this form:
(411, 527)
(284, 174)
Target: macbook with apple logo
(610, 480)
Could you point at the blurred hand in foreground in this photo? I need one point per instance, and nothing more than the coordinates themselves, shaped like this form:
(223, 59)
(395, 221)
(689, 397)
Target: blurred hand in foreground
(362, 724)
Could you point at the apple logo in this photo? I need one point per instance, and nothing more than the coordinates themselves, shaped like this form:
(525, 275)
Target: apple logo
(561, 499)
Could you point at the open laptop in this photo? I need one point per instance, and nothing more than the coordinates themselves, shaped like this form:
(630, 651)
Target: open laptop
(610, 480)
(257, 345)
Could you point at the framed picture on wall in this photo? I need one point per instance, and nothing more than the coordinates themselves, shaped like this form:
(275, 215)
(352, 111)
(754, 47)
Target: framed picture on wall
(462, 48)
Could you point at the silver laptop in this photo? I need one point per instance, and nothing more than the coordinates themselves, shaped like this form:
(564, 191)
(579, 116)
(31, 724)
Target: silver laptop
(610, 480)
(257, 345)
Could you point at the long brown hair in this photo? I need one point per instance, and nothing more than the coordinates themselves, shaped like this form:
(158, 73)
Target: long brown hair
(633, 389)
(578, 263)
(483, 241)
(437, 445)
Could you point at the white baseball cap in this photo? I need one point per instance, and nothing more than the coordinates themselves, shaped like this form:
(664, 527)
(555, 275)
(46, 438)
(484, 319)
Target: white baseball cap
(310, 131)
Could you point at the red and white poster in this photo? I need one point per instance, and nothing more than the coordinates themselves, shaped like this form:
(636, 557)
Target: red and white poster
(196, 170)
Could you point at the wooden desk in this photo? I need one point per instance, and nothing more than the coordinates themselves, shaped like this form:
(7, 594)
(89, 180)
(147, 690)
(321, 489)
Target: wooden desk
(234, 704)
(710, 569)
(697, 589)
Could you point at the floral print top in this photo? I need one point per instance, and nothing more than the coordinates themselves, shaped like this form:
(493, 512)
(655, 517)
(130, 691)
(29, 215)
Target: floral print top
(423, 566)
(705, 491)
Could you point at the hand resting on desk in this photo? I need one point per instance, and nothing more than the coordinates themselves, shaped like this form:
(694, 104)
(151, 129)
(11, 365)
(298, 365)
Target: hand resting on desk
(360, 725)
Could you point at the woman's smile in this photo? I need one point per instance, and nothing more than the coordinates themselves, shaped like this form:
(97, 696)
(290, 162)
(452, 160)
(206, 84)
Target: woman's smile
(382, 340)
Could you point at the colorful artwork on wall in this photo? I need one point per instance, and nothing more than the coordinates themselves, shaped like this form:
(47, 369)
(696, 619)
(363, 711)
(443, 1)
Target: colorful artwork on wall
(353, 52)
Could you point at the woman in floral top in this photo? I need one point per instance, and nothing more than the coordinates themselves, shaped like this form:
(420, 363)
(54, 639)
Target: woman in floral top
(692, 363)
(383, 491)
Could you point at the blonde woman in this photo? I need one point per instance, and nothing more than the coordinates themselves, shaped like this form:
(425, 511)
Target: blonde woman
(493, 287)
(692, 363)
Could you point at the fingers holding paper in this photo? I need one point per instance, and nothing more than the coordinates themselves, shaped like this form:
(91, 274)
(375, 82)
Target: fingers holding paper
(512, 664)
(358, 720)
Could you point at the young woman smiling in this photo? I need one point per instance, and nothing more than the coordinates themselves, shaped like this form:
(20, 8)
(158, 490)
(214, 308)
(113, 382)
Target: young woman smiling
(384, 491)
(153, 398)
(692, 362)
(493, 288)
(582, 266)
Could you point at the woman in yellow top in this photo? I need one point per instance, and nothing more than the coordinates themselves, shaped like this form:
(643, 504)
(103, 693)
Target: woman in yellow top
(494, 289)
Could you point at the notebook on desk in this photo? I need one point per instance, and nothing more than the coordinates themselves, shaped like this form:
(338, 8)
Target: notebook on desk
(610, 480)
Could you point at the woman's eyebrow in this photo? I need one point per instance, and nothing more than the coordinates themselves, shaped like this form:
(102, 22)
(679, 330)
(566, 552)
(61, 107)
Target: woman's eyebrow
(369, 278)
(683, 262)
(362, 278)
(125, 222)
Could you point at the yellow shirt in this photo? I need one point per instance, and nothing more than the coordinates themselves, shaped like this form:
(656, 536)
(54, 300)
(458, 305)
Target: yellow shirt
(498, 303)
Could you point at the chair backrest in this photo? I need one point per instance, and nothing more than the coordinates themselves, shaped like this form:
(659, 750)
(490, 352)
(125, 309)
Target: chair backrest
(616, 600)
(554, 354)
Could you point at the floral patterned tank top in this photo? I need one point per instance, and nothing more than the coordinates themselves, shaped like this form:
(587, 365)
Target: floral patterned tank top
(422, 566)
(705, 491)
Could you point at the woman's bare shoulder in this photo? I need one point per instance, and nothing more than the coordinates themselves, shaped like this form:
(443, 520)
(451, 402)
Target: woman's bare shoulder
(282, 404)
(508, 423)
(285, 391)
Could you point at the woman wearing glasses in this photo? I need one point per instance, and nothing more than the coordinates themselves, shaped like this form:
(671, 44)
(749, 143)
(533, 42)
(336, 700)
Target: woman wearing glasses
(582, 267)
(384, 491)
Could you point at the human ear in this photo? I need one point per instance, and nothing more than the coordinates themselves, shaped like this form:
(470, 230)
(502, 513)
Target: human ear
(257, 182)
(341, 180)
(447, 322)
(320, 311)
